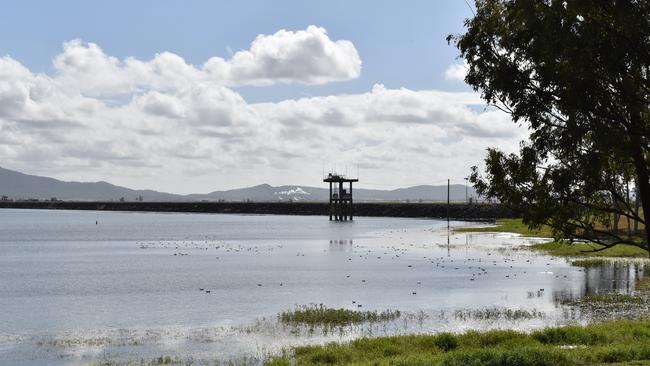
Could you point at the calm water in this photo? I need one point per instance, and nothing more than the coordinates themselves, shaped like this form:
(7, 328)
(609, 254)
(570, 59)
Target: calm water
(76, 287)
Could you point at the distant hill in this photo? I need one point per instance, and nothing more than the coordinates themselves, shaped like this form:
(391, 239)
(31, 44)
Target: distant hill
(17, 185)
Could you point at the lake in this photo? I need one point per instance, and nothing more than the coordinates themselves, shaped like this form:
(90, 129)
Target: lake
(78, 287)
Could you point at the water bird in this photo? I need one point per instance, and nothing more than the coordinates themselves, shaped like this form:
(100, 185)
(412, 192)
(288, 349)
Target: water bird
(207, 291)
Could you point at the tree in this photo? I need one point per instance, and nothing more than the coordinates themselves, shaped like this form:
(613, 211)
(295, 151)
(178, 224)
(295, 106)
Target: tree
(577, 74)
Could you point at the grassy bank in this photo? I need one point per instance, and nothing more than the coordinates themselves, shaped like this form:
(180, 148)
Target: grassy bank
(508, 226)
(625, 342)
(589, 250)
(558, 248)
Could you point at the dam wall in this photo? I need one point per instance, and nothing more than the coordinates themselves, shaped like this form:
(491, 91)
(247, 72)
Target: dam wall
(463, 211)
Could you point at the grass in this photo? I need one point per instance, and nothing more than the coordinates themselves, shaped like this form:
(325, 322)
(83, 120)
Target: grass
(622, 342)
(567, 249)
(509, 226)
(319, 315)
(558, 248)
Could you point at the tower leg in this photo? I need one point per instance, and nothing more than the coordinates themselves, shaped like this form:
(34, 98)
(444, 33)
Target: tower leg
(330, 205)
(351, 206)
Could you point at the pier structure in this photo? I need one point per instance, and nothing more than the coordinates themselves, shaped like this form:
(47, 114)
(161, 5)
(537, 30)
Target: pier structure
(340, 204)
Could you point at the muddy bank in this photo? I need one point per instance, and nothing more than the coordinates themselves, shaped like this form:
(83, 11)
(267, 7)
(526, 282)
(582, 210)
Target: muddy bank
(386, 209)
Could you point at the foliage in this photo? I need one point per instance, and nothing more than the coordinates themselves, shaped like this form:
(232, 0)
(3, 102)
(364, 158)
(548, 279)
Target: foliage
(617, 341)
(577, 74)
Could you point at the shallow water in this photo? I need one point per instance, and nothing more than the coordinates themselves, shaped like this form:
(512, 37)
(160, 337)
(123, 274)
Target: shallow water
(76, 287)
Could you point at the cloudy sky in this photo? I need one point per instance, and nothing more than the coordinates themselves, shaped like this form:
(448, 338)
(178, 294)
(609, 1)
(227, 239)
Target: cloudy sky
(195, 96)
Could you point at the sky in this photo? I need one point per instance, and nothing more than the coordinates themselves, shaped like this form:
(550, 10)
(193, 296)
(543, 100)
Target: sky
(196, 96)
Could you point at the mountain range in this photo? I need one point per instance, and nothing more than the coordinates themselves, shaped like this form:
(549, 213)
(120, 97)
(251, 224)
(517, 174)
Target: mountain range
(16, 185)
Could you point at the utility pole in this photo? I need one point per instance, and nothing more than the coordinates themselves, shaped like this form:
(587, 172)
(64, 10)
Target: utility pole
(466, 198)
(447, 203)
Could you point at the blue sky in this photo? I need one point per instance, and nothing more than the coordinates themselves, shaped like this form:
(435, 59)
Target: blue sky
(194, 96)
(402, 44)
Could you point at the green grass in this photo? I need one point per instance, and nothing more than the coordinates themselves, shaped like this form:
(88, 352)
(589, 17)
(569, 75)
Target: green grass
(623, 342)
(567, 249)
(509, 226)
(319, 315)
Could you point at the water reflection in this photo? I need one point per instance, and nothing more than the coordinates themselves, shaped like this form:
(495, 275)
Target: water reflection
(609, 277)
(617, 277)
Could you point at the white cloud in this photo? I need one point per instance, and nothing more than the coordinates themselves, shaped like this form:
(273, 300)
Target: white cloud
(307, 56)
(175, 130)
(456, 72)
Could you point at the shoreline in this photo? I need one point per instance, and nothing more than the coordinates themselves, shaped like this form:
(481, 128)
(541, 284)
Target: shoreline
(457, 211)
(558, 248)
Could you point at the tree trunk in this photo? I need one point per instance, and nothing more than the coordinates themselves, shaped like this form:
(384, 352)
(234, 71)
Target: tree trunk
(616, 205)
(627, 205)
(636, 207)
(643, 179)
(639, 149)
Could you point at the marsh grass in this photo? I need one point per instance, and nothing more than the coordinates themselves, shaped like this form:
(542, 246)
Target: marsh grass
(596, 262)
(591, 262)
(495, 313)
(611, 342)
(320, 315)
(613, 299)
(618, 301)
(611, 306)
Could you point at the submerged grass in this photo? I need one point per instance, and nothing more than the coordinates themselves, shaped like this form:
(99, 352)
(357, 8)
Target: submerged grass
(320, 315)
(496, 313)
(623, 342)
